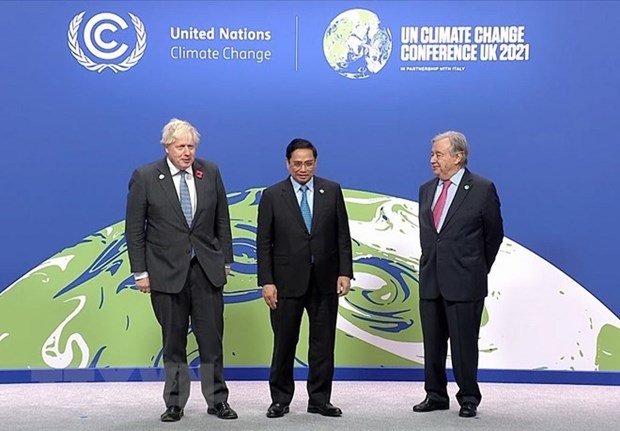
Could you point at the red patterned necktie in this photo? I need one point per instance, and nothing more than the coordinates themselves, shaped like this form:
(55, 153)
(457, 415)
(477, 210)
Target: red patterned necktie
(441, 202)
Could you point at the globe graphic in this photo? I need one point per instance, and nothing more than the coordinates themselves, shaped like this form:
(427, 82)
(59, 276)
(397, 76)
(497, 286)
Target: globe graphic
(355, 45)
(80, 308)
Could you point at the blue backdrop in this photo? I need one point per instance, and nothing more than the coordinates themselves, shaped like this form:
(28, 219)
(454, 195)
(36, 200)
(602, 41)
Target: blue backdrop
(541, 128)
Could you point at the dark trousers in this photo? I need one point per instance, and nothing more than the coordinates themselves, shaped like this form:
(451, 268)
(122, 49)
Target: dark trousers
(204, 304)
(285, 321)
(459, 322)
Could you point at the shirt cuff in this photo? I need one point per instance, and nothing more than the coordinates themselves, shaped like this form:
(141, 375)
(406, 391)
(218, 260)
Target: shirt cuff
(140, 275)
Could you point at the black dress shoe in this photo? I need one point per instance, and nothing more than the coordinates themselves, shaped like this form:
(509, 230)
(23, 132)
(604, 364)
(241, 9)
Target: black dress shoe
(277, 410)
(325, 409)
(172, 414)
(429, 405)
(223, 411)
(468, 410)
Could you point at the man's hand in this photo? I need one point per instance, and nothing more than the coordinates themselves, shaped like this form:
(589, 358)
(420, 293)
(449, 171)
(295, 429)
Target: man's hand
(144, 285)
(270, 295)
(343, 285)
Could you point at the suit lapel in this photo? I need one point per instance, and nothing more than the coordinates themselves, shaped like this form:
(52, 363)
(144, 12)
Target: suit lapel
(429, 194)
(288, 194)
(461, 193)
(319, 202)
(201, 190)
(167, 185)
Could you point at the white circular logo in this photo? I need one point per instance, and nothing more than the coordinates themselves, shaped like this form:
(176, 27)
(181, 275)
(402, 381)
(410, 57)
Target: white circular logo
(356, 44)
(105, 50)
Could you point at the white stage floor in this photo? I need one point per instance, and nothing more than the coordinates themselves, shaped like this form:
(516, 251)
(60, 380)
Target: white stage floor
(382, 406)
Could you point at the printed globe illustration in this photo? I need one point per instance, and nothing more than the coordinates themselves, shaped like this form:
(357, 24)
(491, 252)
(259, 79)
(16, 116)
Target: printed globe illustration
(81, 309)
(356, 45)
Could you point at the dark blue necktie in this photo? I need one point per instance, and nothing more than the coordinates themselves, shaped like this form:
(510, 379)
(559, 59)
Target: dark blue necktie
(305, 208)
(186, 202)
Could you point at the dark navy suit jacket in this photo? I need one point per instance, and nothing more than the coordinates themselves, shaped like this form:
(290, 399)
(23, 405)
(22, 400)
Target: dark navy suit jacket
(287, 251)
(455, 262)
(159, 239)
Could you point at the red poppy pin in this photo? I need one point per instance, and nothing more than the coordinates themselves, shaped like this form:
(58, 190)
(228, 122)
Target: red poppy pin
(199, 175)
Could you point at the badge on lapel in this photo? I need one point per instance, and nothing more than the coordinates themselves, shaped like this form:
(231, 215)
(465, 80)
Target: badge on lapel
(162, 176)
(199, 174)
(466, 187)
(321, 191)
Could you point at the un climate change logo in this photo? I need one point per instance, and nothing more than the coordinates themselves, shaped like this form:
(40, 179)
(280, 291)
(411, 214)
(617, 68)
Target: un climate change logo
(356, 45)
(105, 49)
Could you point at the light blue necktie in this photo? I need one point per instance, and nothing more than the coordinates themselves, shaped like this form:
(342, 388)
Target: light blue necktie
(305, 208)
(186, 202)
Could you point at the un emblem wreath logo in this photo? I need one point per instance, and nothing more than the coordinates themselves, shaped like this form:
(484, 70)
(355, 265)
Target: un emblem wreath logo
(86, 61)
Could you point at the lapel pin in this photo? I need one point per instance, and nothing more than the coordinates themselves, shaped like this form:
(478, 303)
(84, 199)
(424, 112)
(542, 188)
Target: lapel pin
(466, 187)
(321, 191)
(199, 174)
(162, 176)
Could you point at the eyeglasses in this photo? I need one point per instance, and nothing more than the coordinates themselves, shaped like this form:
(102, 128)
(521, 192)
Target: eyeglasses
(308, 164)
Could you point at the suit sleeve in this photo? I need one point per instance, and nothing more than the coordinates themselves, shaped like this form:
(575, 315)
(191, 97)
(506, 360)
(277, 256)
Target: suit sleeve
(222, 223)
(493, 226)
(135, 219)
(264, 240)
(344, 238)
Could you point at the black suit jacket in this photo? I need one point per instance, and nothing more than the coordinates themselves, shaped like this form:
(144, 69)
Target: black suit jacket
(158, 238)
(286, 249)
(455, 262)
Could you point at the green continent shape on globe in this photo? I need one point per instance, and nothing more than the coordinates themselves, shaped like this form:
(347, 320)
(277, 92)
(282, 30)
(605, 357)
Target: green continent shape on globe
(94, 322)
(608, 349)
(347, 40)
(80, 308)
(248, 339)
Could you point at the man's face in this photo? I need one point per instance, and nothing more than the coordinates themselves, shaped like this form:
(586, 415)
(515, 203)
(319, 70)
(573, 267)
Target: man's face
(181, 152)
(302, 165)
(443, 163)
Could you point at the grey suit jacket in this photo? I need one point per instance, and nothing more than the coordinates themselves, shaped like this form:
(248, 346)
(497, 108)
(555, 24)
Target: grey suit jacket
(286, 250)
(158, 238)
(455, 262)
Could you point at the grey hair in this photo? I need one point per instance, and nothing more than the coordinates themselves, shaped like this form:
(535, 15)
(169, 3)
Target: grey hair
(458, 144)
(177, 129)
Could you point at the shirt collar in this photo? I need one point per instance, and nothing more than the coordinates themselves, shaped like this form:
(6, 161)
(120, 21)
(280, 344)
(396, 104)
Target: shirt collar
(174, 170)
(297, 186)
(455, 179)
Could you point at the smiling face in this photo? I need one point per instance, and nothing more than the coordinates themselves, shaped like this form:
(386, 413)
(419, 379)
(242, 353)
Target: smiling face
(181, 152)
(443, 162)
(301, 165)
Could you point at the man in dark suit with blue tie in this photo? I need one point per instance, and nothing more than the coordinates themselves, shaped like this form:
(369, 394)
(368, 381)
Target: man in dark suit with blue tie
(304, 262)
(461, 230)
(180, 250)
